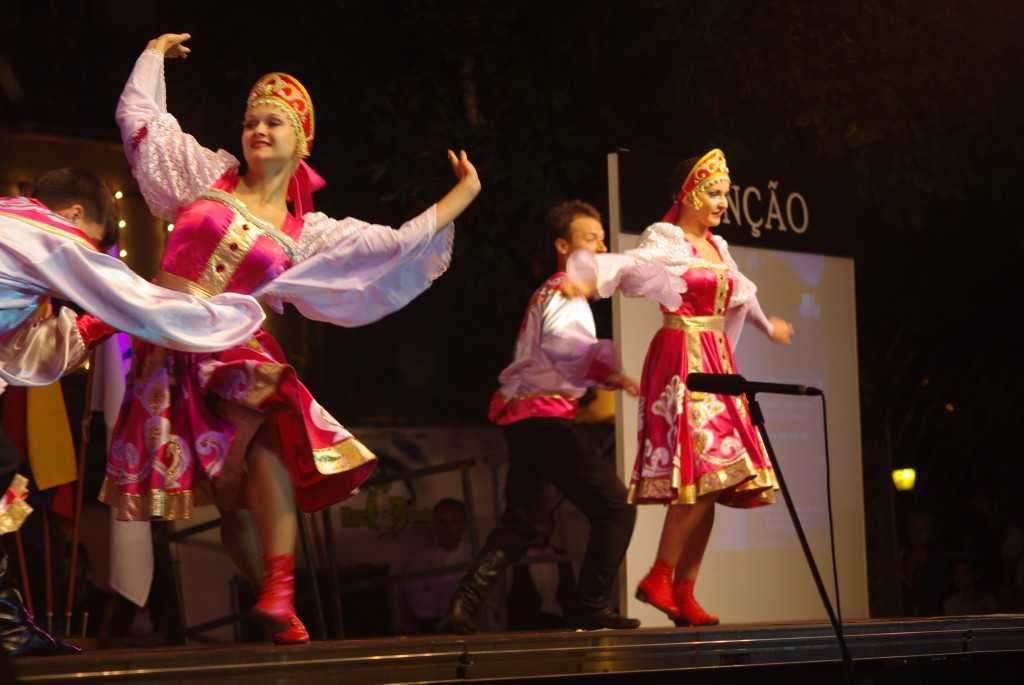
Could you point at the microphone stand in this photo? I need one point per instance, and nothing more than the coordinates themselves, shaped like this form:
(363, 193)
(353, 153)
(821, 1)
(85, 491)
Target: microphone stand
(757, 419)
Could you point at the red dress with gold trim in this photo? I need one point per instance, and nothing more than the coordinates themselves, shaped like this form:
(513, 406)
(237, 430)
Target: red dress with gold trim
(691, 444)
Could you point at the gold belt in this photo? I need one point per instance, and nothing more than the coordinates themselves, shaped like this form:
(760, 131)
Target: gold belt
(696, 324)
(534, 395)
(181, 285)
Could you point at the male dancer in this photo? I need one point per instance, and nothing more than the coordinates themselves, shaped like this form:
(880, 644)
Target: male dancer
(557, 357)
(50, 245)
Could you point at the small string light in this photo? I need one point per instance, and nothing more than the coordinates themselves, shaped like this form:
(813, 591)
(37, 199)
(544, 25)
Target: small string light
(118, 194)
(123, 253)
(122, 223)
(170, 227)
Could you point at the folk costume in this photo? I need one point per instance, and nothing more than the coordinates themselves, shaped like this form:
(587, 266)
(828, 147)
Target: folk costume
(557, 357)
(188, 418)
(44, 255)
(19, 635)
(692, 444)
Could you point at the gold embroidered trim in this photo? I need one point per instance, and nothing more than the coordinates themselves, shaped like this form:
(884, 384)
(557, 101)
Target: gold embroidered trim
(740, 486)
(342, 457)
(51, 229)
(15, 515)
(721, 292)
(275, 234)
(181, 284)
(18, 510)
(697, 324)
(532, 395)
(155, 504)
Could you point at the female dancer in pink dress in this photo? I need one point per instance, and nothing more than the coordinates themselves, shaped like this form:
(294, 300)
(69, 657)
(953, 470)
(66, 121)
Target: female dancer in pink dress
(697, 449)
(236, 427)
(694, 449)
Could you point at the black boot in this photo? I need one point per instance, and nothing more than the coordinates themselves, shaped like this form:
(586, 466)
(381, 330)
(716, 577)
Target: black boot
(19, 636)
(474, 587)
(592, 611)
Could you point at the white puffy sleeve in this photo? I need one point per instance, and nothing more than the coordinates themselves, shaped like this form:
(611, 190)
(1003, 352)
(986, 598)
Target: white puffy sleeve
(351, 273)
(743, 304)
(568, 340)
(750, 311)
(171, 167)
(744, 289)
(35, 264)
(42, 350)
(635, 277)
(644, 271)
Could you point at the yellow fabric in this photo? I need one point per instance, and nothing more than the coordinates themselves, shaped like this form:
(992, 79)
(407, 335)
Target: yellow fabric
(51, 452)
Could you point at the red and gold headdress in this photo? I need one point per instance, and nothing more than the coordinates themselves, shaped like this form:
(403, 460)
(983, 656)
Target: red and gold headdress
(709, 170)
(287, 93)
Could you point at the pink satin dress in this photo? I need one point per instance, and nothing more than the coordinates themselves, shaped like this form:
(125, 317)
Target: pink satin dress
(188, 418)
(691, 444)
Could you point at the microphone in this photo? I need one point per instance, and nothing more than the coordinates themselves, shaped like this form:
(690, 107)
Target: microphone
(735, 384)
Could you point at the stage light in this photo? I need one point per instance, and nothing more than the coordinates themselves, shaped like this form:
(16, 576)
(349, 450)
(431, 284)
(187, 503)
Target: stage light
(904, 479)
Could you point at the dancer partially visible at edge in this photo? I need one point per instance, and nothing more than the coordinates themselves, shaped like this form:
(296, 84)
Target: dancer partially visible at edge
(51, 245)
(694, 450)
(237, 427)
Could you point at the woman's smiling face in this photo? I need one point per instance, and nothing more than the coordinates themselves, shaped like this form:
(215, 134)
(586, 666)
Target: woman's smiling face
(268, 134)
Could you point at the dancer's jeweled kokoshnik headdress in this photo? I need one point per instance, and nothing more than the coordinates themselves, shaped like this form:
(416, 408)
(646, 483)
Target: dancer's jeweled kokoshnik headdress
(284, 91)
(709, 170)
(277, 88)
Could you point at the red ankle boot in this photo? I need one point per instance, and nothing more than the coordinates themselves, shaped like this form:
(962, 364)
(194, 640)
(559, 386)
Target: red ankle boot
(656, 589)
(294, 634)
(275, 607)
(690, 613)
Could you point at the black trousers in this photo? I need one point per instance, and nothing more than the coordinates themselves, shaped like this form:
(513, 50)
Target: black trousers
(550, 450)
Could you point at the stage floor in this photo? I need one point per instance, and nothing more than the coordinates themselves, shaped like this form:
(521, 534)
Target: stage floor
(962, 649)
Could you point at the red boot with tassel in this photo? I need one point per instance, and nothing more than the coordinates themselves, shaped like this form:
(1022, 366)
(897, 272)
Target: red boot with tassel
(656, 589)
(690, 613)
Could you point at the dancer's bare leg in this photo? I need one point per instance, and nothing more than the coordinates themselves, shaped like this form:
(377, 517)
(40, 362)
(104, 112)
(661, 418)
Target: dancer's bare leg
(238, 534)
(696, 543)
(685, 534)
(271, 505)
(269, 495)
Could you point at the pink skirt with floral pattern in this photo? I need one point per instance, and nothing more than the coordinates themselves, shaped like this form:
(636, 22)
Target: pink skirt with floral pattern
(188, 419)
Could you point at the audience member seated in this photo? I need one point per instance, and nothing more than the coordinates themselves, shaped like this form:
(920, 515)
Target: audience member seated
(969, 599)
(923, 571)
(427, 598)
(542, 593)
